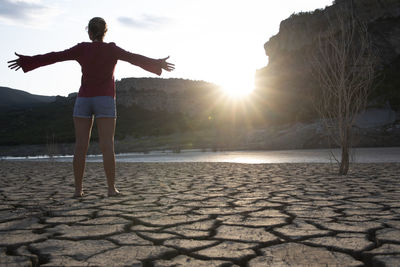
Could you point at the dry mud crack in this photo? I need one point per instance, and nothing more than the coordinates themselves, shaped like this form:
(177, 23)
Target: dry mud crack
(200, 214)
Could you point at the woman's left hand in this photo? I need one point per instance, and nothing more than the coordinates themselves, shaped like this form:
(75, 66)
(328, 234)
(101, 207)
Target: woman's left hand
(16, 63)
(166, 65)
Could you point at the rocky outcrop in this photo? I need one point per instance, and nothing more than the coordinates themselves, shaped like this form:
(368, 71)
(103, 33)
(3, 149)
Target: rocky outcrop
(170, 95)
(300, 30)
(285, 82)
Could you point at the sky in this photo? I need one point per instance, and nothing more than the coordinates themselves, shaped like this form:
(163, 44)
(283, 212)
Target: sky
(218, 41)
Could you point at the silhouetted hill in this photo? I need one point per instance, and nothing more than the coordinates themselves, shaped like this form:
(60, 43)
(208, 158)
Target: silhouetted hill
(145, 107)
(158, 113)
(16, 99)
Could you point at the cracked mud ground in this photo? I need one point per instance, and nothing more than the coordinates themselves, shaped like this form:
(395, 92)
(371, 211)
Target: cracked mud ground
(201, 214)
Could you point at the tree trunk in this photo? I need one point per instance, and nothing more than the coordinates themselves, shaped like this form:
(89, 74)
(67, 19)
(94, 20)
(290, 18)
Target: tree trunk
(344, 163)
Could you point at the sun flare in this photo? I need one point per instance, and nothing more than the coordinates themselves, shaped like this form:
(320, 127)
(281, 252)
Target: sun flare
(237, 88)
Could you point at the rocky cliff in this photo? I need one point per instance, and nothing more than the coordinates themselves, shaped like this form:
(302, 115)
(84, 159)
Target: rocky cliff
(285, 81)
(170, 95)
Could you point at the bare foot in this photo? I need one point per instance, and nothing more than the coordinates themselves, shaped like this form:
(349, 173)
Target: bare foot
(114, 193)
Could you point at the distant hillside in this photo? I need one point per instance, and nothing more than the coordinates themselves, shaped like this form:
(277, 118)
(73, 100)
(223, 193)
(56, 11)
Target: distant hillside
(174, 114)
(145, 107)
(16, 99)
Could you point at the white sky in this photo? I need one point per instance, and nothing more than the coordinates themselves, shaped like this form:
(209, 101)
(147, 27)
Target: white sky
(219, 41)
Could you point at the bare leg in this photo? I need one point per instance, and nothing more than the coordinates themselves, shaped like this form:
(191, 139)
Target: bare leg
(106, 129)
(83, 128)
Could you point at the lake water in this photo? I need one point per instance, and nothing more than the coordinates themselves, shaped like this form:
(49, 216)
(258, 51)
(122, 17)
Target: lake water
(360, 155)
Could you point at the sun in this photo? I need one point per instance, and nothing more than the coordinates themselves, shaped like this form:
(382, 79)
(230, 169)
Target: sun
(237, 87)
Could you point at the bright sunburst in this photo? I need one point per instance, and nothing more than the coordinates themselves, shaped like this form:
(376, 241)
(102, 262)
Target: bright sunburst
(237, 87)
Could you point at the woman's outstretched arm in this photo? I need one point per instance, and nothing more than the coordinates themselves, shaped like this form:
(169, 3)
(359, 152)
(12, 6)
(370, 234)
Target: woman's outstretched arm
(28, 63)
(152, 65)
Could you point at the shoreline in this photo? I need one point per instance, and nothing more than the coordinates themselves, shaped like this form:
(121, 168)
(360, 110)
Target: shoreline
(282, 137)
(359, 155)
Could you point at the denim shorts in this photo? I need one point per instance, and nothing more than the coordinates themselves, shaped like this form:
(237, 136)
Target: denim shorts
(99, 106)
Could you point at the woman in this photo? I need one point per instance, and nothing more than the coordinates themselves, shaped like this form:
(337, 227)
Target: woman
(96, 97)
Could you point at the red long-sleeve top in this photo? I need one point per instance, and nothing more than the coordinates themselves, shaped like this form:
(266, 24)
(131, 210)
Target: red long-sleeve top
(97, 60)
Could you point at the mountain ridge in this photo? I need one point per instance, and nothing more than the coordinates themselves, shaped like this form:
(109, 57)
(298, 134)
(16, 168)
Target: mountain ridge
(16, 99)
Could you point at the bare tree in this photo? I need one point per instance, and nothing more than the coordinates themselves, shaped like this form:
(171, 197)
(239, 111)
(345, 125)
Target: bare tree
(343, 64)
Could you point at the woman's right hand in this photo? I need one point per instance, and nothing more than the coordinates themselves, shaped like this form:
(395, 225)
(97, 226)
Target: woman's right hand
(16, 63)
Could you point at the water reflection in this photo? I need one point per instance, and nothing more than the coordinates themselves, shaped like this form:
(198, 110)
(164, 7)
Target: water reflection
(361, 155)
